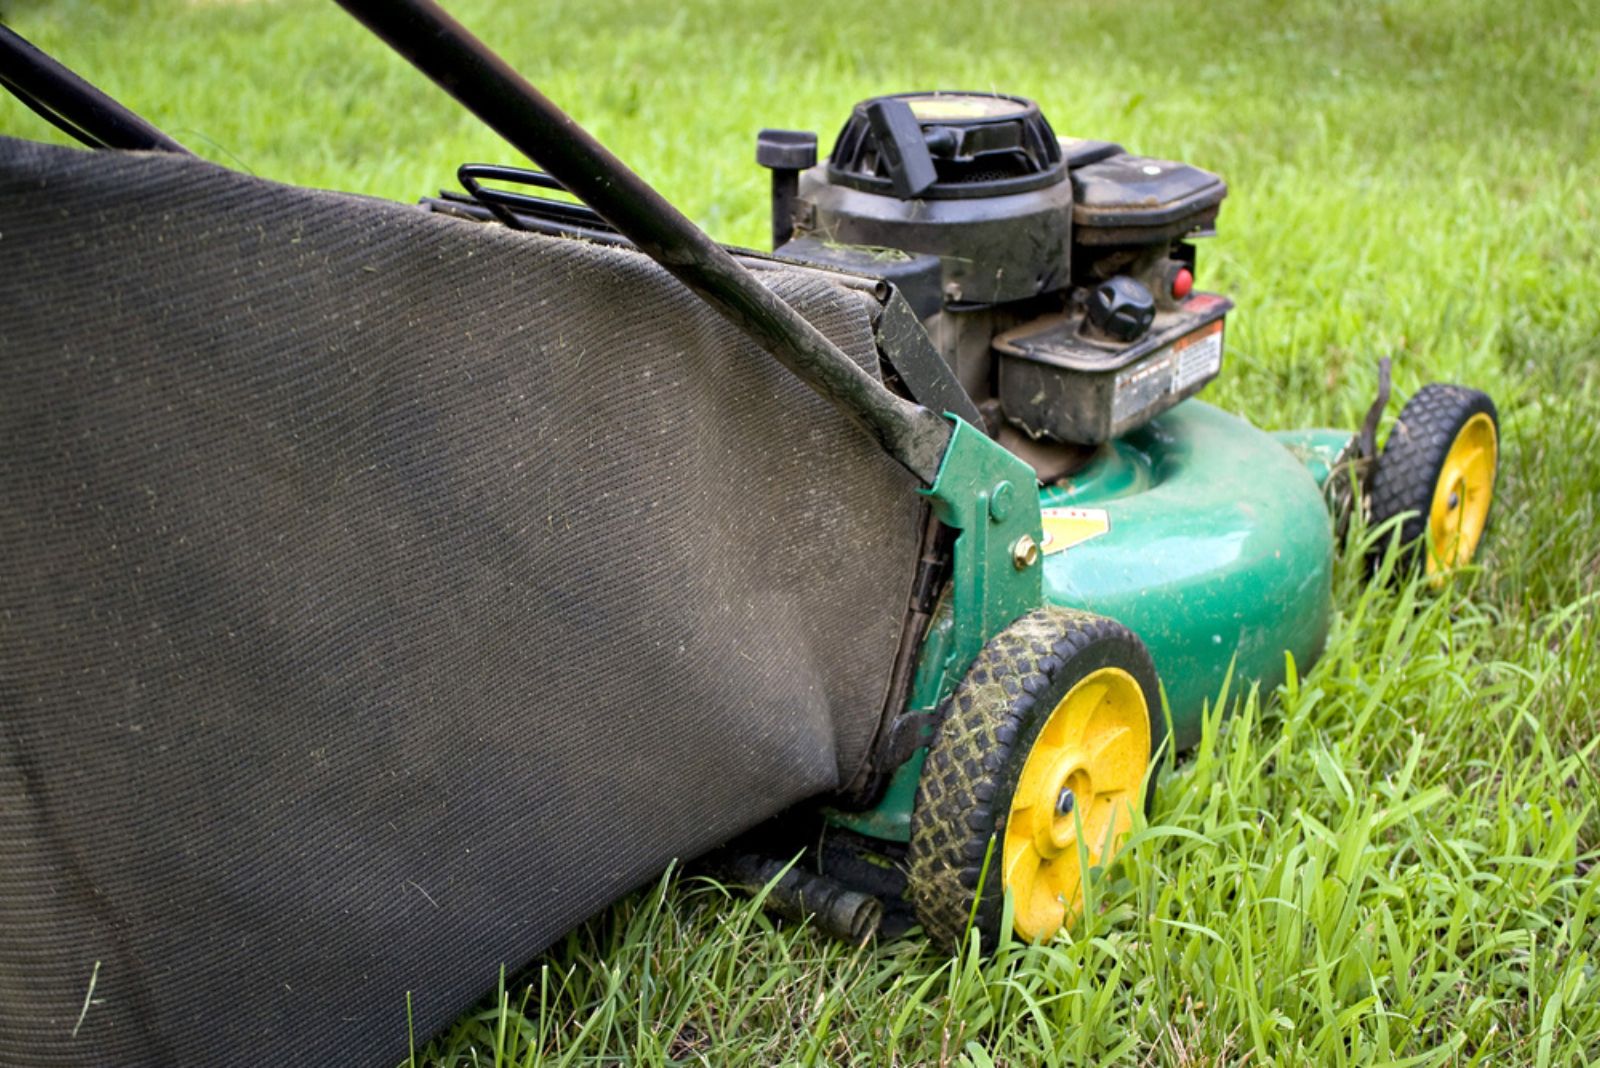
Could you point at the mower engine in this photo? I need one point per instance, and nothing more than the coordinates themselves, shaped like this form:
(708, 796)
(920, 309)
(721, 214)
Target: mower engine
(1055, 276)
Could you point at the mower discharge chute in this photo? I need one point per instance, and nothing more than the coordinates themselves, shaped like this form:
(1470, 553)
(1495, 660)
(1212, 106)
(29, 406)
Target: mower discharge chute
(1012, 317)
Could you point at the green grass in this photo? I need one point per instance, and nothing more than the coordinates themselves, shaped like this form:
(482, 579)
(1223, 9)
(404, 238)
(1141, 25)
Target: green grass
(1387, 861)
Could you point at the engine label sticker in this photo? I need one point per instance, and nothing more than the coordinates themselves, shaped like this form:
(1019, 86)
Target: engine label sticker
(1142, 385)
(1066, 527)
(1199, 357)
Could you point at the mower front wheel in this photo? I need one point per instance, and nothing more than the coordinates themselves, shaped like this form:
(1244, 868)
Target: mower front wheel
(1032, 779)
(1438, 470)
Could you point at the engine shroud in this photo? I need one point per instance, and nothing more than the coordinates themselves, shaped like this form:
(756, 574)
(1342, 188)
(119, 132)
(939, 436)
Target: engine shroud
(1002, 236)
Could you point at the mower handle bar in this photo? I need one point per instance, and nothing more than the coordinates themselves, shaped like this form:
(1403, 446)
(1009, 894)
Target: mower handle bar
(71, 104)
(487, 86)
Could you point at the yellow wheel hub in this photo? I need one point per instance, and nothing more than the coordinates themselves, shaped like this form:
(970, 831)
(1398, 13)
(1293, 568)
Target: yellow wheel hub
(1462, 495)
(1075, 799)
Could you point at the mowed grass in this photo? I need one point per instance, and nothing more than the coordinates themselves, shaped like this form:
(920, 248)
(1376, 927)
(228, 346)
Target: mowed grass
(1388, 861)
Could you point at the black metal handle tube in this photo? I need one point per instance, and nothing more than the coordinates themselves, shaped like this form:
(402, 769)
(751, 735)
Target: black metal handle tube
(464, 67)
(72, 104)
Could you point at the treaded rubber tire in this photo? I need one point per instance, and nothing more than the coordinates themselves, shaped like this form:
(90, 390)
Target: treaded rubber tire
(1413, 459)
(989, 726)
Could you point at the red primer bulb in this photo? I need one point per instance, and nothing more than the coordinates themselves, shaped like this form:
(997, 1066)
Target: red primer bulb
(1182, 283)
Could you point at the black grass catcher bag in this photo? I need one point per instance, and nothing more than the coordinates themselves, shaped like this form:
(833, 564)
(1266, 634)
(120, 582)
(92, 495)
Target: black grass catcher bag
(383, 594)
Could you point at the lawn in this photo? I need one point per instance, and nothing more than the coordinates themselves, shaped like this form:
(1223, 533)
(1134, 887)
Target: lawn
(1389, 860)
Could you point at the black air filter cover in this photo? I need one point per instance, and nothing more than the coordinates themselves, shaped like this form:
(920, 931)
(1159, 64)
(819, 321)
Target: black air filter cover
(1133, 200)
(981, 144)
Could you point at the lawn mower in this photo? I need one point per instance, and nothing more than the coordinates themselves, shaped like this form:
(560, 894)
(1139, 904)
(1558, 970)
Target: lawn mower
(1056, 279)
(384, 571)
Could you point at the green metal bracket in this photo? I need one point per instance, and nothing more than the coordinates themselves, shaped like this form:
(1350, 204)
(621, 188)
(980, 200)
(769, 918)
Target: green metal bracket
(992, 498)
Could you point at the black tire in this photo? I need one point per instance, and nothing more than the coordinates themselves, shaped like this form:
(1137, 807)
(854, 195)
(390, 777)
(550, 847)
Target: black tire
(990, 725)
(1409, 472)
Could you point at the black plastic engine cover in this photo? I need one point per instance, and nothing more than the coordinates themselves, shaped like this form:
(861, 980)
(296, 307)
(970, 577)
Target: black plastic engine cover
(993, 249)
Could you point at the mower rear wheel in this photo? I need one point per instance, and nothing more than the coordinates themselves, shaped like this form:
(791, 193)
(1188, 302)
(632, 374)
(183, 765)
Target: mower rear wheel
(1032, 779)
(1438, 469)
